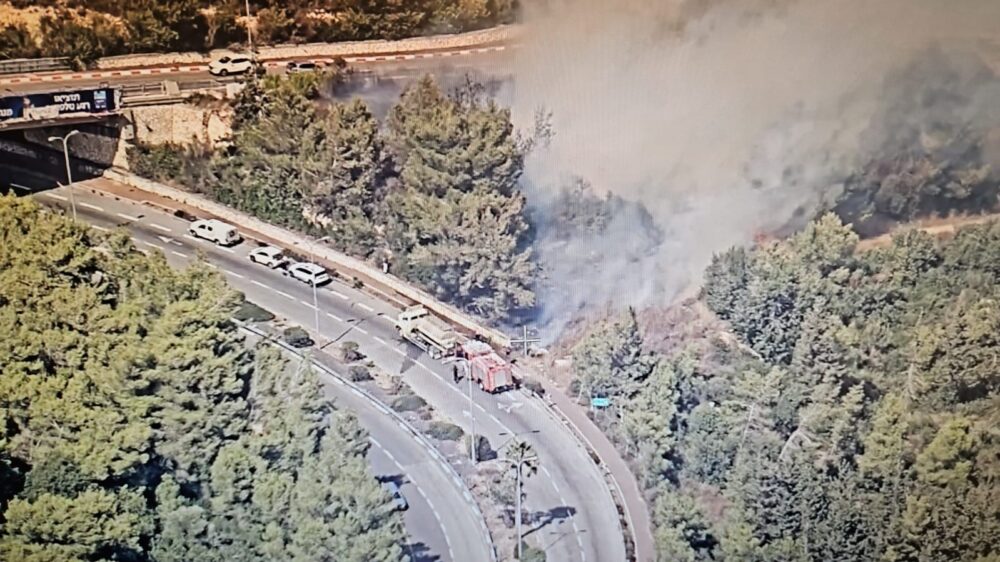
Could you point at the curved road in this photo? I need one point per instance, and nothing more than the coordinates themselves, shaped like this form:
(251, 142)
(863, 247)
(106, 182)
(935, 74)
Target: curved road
(574, 518)
(440, 522)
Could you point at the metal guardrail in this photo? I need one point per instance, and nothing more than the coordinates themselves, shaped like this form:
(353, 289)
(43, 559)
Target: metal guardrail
(20, 66)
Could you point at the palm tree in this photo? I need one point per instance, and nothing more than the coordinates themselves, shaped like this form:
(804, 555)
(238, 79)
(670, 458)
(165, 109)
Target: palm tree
(521, 458)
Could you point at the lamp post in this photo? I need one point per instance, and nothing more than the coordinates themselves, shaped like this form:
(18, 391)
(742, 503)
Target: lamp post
(249, 32)
(474, 444)
(69, 175)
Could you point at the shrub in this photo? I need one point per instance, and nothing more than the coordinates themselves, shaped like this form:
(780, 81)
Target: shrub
(445, 431)
(297, 337)
(531, 554)
(250, 312)
(349, 351)
(358, 373)
(484, 452)
(408, 403)
(534, 386)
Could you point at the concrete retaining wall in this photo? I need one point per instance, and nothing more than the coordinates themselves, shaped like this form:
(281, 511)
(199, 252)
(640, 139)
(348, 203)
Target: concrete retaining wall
(495, 35)
(303, 244)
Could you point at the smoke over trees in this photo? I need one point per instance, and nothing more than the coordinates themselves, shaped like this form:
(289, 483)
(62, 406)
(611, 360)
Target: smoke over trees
(725, 119)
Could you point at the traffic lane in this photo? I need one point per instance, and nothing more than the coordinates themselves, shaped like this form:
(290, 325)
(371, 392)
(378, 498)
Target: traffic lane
(477, 64)
(397, 454)
(377, 338)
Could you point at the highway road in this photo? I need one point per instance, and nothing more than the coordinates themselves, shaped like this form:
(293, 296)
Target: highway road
(574, 516)
(440, 522)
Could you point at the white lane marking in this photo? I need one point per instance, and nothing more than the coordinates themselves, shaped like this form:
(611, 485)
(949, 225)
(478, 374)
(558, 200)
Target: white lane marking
(259, 284)
(362, 330)
(189, 237)
(19, 186)
(91, 207)
(157, 246)
(495, 419)
(364, 306)
(284, 294)
(375, 442)
(399, 351)
(380, 340)
(180, 254)
(228, 250)
(127, 217)
(341, 295)
(335, 317)
(234, 274)
(101, 228)
(160, 227)
(54, 196)
(306, 304)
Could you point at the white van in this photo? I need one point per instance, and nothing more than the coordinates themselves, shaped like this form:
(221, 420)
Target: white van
(215, 231)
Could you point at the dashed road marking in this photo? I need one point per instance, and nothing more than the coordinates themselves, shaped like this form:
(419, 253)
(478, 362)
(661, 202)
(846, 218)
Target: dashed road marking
(259, 284)
(335, 317)
(179, 254)
(341, 295)
(157, 246)
(307, 304)
(362, 330)
(284, 294)
(54, 196)
(380, 340)
(364, 306)
(227, 250)
(189, 237)
(159, 227)
(101, 228)
(234, 274)
(127, 217)
(92, 207)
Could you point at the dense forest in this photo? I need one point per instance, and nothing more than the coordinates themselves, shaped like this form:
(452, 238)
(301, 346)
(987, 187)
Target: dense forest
(844, 405)
(86, 31)
(137, 424)
(433, 191)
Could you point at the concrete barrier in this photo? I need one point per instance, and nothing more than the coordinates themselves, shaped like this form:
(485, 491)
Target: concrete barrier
(304, 244)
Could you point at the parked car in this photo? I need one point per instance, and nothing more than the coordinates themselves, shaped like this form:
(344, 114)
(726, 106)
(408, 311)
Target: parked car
(397, 495)
(295, 67)
(215, 231)
(309, 273)
(270, 256)
(230, 65)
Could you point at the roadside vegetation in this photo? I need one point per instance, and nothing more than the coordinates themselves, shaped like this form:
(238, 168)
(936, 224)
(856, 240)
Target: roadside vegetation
(86, 31)
(432, 193)
(137, 425)
(841, 405)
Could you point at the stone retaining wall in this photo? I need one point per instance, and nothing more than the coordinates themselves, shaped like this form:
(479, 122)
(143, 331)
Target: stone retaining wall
(494, 35)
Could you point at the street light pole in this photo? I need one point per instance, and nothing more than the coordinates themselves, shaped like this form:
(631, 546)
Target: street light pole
(249, 33)
(520, 540)
(473, 445)
(69, 174)
(315, 298)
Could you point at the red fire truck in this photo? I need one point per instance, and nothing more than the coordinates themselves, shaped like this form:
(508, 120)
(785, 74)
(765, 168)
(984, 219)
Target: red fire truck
(486, 367)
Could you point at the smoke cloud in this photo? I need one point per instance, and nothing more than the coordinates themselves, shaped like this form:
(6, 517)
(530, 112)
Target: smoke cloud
(722, 118)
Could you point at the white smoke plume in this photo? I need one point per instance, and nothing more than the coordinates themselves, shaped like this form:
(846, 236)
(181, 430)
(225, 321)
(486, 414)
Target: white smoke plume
(723, 118)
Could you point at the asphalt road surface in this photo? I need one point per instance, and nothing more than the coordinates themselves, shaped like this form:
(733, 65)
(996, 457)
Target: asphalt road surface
(573, 516)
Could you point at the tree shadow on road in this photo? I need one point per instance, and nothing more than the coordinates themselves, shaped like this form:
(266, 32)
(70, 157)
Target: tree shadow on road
(543, 518)
(419, 552)
(410, 359)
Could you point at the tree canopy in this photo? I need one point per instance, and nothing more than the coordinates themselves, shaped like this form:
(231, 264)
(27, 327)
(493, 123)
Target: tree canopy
(852, 416)
(137, 424)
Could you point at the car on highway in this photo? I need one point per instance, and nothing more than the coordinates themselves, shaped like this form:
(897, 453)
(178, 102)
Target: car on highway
(295, 67)
(216, 231)
(270, 256)
(309, 273)
(230, 65)
(397, 495)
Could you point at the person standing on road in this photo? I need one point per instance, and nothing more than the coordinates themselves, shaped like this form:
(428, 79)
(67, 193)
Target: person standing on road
(454, 372)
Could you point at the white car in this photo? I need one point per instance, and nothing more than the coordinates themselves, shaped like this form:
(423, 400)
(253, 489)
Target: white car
(230, 65)
(309, 273)
(270, 256)
(296, 67)
(215, 231)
